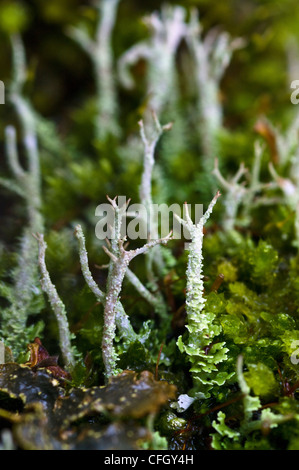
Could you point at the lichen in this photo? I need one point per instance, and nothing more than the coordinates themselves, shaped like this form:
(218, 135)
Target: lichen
(194, 345)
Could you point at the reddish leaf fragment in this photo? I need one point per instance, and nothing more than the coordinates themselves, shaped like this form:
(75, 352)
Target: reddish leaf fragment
(40, 358)
(263, 128)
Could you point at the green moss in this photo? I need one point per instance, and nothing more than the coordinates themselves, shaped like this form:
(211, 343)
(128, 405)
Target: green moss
(261, 380)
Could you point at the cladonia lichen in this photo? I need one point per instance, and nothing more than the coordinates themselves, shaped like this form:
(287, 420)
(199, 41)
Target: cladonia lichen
(202, 348)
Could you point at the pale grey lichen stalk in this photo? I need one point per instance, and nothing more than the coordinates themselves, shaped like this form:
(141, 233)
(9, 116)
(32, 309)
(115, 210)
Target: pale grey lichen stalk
(241, 197)
(167, 28)
(255, 185)
(212, 55)
(118, 269)
(155, 300)
(29, 180)
(285, 161)
(201, 324)
(26, 183)
(290, 192)
(100, 53)
(123, 324)
(114, 313)
(234, 195)
(25, 113)
(194, 290)
(150, 140)
(57, 305)
(118, 272)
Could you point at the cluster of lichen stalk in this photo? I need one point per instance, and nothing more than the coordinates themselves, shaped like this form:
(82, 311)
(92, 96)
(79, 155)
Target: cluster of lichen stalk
(211, 56)
(167, 29)
(26, 183)
(114, 313)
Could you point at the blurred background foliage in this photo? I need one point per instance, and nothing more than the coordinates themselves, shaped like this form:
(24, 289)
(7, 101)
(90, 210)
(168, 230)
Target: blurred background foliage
(61, 75)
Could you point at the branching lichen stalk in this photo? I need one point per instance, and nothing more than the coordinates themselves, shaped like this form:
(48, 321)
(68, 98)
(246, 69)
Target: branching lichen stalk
(235, 193)
(114, 314)
(123, 324)
(167, 31)
(118, 273)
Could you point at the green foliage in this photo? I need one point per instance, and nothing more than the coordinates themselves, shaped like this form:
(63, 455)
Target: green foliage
(14, 17)
(206, 353)
(261, 380)
(221, 440)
